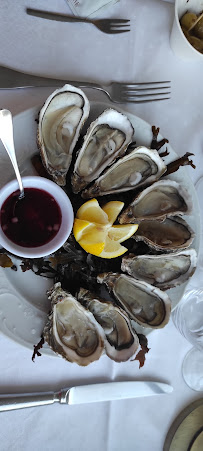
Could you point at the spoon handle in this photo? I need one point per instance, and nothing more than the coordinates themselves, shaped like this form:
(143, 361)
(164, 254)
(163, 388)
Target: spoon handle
(6, 136)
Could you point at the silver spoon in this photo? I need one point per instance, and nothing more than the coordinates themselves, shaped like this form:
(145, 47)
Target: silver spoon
(6, 136)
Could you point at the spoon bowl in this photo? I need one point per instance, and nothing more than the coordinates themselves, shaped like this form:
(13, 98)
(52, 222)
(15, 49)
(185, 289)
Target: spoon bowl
(6, 136)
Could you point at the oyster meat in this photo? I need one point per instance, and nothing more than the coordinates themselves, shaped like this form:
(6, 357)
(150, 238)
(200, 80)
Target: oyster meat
(71, 330)
(121, 342)
(107, 139)
(60, 121)
(160, 200)
(164, 271)
(140, 167)
(145, 304)
(167, 236)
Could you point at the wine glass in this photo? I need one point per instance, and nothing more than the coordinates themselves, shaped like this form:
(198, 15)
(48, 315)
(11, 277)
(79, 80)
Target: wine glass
(199, 190)
(188, 316)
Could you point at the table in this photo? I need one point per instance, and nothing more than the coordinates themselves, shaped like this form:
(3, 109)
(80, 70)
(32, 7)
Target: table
(82, 52)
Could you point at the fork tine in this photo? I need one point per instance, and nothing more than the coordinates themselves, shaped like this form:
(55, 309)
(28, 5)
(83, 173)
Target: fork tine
(115, 24)
(147, 100)
(134, 90)
(119, 26)
(116, 31)
(146, 83)
(144, 96)
(153, 94)
(117, 21)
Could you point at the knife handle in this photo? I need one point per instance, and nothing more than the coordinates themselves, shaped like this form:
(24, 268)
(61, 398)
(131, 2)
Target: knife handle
(20, 401)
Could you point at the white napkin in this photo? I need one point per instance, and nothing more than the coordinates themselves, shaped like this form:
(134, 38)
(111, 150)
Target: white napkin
(85, 8)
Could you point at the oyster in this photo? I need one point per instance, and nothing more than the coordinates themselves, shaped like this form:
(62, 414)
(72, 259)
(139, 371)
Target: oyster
(107, 139)
(60, 121)
(169, 235)
(71, 330)
(145, 304)
(121, 342)
(140, 167)
(160, 200)
(164, 271)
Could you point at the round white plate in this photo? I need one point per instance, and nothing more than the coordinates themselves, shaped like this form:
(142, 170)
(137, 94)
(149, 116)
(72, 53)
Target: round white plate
(23, 301)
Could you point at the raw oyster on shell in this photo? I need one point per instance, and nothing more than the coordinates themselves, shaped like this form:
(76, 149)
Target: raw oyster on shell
(145, 304)
(121, 342)
(140, 167)
(60, 121)
(106, 139)
(169, 235)
(164, 271)
(160, 200)
(71, 330)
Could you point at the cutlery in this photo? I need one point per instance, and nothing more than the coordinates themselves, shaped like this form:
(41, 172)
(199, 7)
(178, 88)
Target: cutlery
(82, 394)
(117, 92)
(109, 26)
(6, 136)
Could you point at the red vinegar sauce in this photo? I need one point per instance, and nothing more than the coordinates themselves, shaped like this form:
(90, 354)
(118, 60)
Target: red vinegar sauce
(32, 221)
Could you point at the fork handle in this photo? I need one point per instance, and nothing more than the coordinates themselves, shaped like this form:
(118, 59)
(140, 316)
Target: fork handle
(10, 78)
(55, 16)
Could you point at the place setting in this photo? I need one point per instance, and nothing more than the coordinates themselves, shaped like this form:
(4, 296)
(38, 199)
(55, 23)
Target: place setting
(101, 239)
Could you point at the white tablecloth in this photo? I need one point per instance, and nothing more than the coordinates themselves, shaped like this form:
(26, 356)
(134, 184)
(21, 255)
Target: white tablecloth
(83, 52)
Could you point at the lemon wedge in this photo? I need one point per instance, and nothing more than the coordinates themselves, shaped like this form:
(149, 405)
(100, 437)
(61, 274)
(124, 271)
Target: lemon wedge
(80, 227)
(112, 209)
(122, 232)
(92, 212)
(94, 231)
(92, 248)
(112, 249)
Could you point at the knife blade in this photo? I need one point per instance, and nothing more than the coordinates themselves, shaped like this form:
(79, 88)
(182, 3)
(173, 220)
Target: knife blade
(82, 394)
(13, 79)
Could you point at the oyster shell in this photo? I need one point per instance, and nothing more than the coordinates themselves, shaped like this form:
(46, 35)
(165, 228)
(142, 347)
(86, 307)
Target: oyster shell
(160, 200)
(121, 342)
(107, 139)
(71, 330)
(140, 167)
(145, 304)
(60, 121)
(169, 235)
(164, 271)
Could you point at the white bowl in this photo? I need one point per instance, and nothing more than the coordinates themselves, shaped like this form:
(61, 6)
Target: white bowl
(179, 43)
(66, 221)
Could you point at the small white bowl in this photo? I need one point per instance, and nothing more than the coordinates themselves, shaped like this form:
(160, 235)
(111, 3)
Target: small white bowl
(66, 221)
(179, 43)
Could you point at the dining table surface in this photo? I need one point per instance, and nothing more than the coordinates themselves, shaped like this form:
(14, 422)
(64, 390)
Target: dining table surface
(77, 51)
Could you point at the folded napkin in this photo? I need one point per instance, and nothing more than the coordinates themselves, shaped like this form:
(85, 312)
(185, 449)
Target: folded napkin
(85, 8)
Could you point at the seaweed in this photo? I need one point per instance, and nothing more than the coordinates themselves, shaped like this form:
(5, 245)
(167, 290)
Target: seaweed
(143, 351)
(37, 347)
(182, 161)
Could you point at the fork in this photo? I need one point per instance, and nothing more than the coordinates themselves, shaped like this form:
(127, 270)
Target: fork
(110, 26)
(117, 92)
(136, 92)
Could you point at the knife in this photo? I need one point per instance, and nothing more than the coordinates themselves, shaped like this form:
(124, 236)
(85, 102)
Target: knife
(12, 79)
(82, 394)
